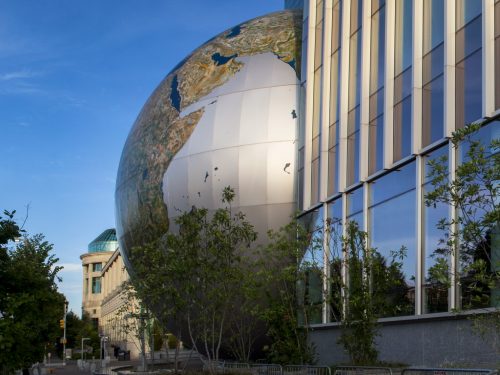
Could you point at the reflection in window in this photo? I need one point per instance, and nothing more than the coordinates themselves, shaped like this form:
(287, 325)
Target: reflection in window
(468, 74)
(479, 253)
(311, 267)
(335, 256)
(353, 122)
(436, 253)
(403, 55)
(317, 93)
(467, 10)
(497, 55)
(355, 206)
(393, 221)
(377, 78)
(433, 68)
(333, 136)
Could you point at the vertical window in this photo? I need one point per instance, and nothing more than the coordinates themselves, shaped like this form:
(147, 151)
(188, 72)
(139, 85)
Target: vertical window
(96, 267)
(86, 286)
(497, 54)
(479, 248)
(333, 136)
(316, 121)
(355, 206)
(335, 249)
(435, 251)
(433, 69)
(392, 212)
(377, 78)
(310, 287)
(403, 55)
(96, 285)
(353, 120)
(468, 72)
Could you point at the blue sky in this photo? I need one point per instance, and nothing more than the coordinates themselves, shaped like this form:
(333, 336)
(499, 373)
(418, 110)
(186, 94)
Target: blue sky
(73, 77)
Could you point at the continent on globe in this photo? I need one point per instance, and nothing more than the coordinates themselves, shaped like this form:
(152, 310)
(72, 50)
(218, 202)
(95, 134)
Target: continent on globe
(221, 117)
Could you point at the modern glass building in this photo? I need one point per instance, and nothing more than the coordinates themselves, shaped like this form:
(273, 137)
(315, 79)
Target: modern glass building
(384, 85)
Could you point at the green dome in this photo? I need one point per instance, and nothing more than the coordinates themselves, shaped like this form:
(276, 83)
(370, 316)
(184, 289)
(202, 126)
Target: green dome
(106, 241)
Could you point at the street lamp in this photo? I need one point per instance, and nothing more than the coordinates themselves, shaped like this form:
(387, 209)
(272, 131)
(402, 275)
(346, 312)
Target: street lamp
(103, 339)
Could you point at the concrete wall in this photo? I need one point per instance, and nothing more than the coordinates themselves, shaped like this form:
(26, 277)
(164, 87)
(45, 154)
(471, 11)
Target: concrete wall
(440, 341)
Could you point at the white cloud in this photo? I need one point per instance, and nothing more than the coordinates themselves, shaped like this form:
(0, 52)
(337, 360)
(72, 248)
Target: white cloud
(20, 74)
(71, 267)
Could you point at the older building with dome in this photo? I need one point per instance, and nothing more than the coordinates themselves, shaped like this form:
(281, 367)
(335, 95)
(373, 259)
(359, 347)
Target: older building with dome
(99, 252)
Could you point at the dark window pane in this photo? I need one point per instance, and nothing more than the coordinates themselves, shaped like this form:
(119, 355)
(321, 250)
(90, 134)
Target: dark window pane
(394, 183)
(336, 25)
(356, 14)
(353, 146)
(376, 145)
(310, 295)
(354, 70)
(433, 23)
(402, 129)
(432, 111)
(497, 66)
(468, 39)
(335, 256)
(315, 175)
(377, 66)
(466, 10)
(403, 35)
(354, 202)
(393, 236)
(436, 255)
(402, 85)
(433, 63)
(468, 99)
(334, 87)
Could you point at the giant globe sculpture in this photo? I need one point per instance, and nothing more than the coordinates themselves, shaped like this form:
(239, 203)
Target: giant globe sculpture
(225, 116)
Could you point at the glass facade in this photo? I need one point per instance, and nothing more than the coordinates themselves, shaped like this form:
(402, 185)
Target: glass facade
(497, 54)
(334, 225)
(377, 81)
(311, 265)
(335, 73)
(392, 212)
(433, 72)
(403, 56)
(436, 252)
(354, 96)
(316, 119)
(469, 64)
(417, 271)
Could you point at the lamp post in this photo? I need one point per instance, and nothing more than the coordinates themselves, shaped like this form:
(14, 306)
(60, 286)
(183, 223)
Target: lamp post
(103, 339)
(64, 335)
(84, 339)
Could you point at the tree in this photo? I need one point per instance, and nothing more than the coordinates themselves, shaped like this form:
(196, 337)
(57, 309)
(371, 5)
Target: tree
(192, 278)
(76, 329)
(472, 234)
(285, 309)
(30, 305)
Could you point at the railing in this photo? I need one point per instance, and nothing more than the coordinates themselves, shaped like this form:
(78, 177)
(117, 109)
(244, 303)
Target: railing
(362, 370)
(266, 369)
(447, 371)
(306, 370)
